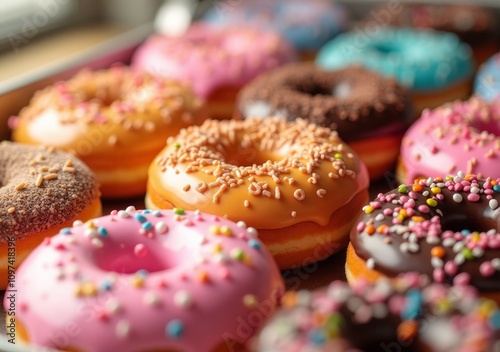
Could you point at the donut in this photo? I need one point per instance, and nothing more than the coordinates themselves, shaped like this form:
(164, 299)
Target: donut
(437, 67)
(445, 227)
(463, 135)
(115, 120)
(475, 25)
(215, 62)
(487, 81)
(410, 314)
(141, 280)
(297, 183)
(307, 26)
(370, 112)
(41, 191)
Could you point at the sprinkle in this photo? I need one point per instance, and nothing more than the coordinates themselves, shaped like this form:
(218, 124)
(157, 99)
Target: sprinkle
(66, 231)
(250, 301)
(402, 189)
(179, 211)
(254, 243)
(493, 204)
(370, 263)
(203, 277)
(174, 329)
(414, 302)
(183, 299)
(252, 231)
(140, 250)
(473, 197)
(438, 251)
(431, 202)
(130, 209)
(457, 198)
(368, 209)
(141, 218)
(122, 329)
(151, 299)
(20, 186)
(97, 242)
(299, 194)
(161, 227)
(147, 226)
(102, 231)
(461, 279)
(237, 253)
(407, 330)
(486, 269)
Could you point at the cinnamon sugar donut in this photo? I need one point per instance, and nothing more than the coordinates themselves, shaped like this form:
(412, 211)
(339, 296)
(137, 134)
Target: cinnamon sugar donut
(297, 183)
(115, 120)
(369, 112)
(42, 191)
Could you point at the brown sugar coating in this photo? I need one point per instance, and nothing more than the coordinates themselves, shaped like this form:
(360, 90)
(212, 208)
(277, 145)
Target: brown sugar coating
(354, 101)
(40, 188)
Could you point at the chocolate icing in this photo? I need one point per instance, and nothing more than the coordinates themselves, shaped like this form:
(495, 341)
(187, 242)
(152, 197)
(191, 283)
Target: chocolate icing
(354, 101)
(66, 187)
(479, 217)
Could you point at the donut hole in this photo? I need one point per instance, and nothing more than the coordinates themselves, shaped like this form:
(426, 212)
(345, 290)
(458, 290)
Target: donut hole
(240, 155)
(457, 222)
(385, 48)
(124, 260)
(492, 126)
(310, 87)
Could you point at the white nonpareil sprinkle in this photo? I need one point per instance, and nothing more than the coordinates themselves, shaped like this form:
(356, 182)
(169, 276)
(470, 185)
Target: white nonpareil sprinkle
(122, 328)
(457, 198)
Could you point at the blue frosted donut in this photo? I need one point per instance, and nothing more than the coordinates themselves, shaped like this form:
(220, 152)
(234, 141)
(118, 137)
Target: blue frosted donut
(306, 24)
(421, 60)
(487, 82)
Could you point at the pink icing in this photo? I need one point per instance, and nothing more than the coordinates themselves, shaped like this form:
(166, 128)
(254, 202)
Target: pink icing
(208, 57)
(461, 136)
(208, 280)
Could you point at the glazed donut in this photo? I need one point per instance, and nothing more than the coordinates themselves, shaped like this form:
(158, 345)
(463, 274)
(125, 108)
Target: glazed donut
(487, 82)
(368, 111)
(215, 62)
(298, 184)
(447, 228)
(146, 281)
(474, 25)
(115, 120)
(41, 191)
(437, 67)
(463, 135)
(410, 314)
(306, 25)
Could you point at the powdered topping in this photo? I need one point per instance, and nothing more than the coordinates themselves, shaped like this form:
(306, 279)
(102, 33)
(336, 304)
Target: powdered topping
(148, 287)
(40, 189)
(445, 227)
(354, 101)
(456, 136)
(269, 166)
(411, 311)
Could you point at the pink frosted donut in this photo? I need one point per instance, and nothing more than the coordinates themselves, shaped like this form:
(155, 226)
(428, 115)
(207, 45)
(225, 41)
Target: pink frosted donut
(146, 280)
(459, 136)
(216, 62)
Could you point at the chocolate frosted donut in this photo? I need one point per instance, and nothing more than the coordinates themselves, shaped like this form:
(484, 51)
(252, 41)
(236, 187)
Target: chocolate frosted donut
(447, 228)
(42, 190)
(369, 111)
(408, 314)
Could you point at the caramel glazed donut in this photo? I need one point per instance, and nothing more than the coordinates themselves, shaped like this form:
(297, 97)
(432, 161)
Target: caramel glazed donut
(115, 120)
(297, 183)
(42, 191)
(447, 228)
(369, 111)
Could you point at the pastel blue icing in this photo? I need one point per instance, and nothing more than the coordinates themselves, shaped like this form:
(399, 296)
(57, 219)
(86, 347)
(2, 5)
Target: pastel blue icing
(306, 24)
(422, 60)
(487, 82)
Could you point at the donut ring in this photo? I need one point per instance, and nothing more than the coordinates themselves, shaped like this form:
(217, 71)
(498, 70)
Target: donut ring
(298, 184)
(447, 228)
(408, 314)
(437, 67)
(147, 281)
(215, 62)
(370, 112)
(42, 190)
(456, 136)
(115, 120)
(487, 81)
